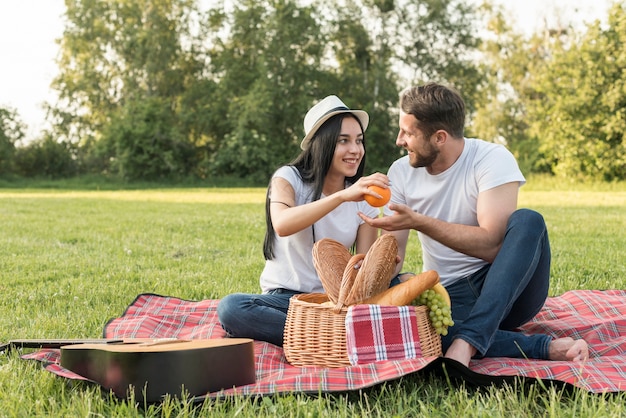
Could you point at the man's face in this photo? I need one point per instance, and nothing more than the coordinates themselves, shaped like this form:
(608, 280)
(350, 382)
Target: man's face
(421, 151)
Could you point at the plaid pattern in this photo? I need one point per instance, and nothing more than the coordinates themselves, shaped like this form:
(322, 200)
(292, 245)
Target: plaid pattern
(375, 333)
(597, 316)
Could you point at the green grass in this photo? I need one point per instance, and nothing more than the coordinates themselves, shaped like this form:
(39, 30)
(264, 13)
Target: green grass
(72, 258)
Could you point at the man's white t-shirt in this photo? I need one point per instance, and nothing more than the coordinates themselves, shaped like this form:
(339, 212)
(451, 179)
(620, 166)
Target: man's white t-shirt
(292, 267)
(451, 196)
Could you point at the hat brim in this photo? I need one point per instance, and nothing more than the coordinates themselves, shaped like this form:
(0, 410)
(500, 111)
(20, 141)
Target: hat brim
(361, 115)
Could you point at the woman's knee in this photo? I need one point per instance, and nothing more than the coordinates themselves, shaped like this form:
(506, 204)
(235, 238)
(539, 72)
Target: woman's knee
(229, 306)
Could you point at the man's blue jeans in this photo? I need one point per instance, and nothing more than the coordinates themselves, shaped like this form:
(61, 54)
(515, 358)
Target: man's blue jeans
(490, 304)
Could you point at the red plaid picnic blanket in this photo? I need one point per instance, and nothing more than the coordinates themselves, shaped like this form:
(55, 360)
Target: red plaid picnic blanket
(596, 316)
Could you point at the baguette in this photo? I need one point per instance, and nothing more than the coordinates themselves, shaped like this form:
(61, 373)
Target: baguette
(405, 292)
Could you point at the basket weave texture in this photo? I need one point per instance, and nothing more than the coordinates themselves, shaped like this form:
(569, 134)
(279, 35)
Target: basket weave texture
(316, 336)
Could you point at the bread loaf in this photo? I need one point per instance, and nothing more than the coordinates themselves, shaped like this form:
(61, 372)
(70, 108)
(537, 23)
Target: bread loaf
(329, 259)
(376, 271)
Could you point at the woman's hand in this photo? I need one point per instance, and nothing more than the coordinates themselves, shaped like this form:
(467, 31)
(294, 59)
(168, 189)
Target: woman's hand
(358, 190)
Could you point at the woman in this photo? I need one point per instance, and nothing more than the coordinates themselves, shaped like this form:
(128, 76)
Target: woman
(318, 195)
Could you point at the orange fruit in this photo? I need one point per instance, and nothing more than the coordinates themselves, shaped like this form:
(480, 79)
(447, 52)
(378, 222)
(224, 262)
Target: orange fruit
(375, 201)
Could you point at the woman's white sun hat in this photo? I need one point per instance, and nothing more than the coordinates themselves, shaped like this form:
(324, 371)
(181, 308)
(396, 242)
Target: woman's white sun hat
(322, 111)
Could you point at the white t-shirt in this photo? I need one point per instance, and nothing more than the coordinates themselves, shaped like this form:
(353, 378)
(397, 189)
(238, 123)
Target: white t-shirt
(451, 196)
(292, 266)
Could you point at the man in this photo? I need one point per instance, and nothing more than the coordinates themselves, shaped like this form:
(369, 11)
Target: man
(460, 195)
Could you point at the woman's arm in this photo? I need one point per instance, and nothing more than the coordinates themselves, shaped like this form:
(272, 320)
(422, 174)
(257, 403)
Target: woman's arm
(287, 218)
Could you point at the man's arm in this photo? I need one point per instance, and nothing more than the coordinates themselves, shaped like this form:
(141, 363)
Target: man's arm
(494, 207)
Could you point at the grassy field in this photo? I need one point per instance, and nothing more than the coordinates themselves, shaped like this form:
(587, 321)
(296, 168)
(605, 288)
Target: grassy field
(74, 256)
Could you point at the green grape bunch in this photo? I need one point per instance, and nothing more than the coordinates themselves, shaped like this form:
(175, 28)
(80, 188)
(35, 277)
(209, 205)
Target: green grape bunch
(439, 313)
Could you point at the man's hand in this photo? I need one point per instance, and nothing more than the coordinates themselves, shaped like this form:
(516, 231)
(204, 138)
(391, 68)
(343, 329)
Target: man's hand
(403, 218)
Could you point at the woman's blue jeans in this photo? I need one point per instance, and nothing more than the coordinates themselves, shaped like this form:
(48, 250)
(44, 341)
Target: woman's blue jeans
(488, 305)
(260, 317)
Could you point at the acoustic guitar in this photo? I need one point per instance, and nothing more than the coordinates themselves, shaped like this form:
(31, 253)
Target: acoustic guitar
(153, 368)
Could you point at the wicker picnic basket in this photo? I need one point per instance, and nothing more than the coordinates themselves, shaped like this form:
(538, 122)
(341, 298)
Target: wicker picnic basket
(316, 336)
(315, 333)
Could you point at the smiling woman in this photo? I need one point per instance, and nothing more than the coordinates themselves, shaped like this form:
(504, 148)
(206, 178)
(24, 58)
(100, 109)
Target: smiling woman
(318, 195)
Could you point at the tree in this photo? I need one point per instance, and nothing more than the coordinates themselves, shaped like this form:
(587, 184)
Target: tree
(156, 88)
(279, 53)
(579, 109)
(117, 53)
(509, 64)
(436, 40)
(363, 75)
(11, 132)
(382, 46)
(266, 62)
(147, 141)
(46, 157)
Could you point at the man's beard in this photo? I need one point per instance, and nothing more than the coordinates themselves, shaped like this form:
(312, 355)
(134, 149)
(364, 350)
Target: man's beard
(421, 160)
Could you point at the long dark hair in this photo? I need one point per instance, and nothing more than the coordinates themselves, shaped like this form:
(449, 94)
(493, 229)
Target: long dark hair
(312, 165)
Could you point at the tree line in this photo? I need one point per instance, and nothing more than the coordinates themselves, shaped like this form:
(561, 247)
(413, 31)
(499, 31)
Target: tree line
(170, 89)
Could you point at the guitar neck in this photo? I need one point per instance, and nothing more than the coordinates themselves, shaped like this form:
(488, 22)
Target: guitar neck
(54, 343)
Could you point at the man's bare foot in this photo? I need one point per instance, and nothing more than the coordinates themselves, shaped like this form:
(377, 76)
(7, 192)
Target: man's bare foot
(568, 349)
(461, 351)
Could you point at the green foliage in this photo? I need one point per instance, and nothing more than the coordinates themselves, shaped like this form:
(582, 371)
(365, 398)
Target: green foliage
(364, 77)
(239, 77)
(147, 141)
(124, 62)
(436, 40)
(509, 64)
(246, 153)
(557, 99)
(156, 89)
(11, 131)
(46, 157)
(268, 55)
(580, 103)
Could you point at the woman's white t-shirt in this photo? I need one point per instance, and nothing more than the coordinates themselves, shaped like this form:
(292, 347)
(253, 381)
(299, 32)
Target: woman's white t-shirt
(451, 196)
(292, 267)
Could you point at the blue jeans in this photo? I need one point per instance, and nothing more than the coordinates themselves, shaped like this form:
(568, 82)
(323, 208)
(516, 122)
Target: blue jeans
(488, 305)
(260, 317)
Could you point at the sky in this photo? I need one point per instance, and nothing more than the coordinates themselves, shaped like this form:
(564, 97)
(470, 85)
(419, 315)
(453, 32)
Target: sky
(29, 30)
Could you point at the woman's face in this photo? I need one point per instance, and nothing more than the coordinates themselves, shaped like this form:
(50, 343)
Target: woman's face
(349, 150)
